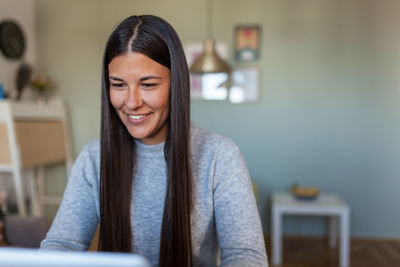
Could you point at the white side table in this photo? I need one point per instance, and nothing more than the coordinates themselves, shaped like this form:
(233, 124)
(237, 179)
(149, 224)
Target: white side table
(323, 205)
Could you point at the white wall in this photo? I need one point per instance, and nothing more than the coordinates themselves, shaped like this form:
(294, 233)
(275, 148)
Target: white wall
(23, 12)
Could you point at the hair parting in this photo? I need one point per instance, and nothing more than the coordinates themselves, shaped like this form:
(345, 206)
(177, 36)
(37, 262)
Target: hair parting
(134, 36)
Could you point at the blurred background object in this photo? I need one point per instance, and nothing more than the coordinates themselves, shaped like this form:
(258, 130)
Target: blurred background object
(25, 231)
(303, 192)
(23, 78)
(2, 94)
(209, 61)
(3, 236)
(12, 40)
(42, 84)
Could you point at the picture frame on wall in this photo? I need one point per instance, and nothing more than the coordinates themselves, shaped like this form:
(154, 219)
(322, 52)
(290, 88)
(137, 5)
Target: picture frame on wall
(192, 51)
(242, 86)
(247, 43)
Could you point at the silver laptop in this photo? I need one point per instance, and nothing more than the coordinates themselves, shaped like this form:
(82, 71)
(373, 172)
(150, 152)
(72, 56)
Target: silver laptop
(23, 257)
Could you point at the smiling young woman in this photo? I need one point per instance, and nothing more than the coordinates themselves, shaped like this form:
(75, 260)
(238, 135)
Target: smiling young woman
(139, 92)
(157, 184)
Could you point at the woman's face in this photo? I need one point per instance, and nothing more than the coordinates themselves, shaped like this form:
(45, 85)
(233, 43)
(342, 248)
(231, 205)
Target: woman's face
(139, 92)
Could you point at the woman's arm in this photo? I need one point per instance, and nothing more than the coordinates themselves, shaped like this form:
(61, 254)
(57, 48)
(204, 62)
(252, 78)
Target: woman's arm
(77, 217)
(238, 225)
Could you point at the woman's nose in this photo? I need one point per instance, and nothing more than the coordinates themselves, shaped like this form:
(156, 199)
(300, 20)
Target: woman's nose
(134, 99)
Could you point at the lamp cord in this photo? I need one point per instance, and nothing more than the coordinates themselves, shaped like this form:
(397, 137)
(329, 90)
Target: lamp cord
(209, 18)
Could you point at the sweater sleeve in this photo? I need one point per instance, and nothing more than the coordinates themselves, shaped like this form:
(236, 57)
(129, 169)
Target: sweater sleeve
(77, 217)
(238, 225)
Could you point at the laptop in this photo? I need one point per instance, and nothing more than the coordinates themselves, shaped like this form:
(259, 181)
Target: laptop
(24, 257)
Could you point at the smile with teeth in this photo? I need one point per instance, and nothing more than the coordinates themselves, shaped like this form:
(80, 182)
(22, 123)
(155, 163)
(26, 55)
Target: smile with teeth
(138, 118)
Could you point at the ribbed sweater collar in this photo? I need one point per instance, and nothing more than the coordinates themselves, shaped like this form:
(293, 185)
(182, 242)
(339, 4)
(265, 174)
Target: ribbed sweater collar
(143, 150)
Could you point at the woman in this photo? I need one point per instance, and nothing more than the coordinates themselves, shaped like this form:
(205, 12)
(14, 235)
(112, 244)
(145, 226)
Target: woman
(190, 192)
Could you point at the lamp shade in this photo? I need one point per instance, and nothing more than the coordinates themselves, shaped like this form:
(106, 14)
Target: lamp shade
(209, 61)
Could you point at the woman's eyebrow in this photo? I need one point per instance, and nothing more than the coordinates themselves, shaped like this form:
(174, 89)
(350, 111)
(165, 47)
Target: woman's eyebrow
(115, 78)
(148, 78)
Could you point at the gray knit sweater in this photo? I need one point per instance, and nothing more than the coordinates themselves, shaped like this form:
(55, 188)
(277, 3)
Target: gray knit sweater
(225, 214)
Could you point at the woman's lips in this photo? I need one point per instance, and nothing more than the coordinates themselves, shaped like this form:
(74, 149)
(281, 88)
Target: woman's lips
(138, 118)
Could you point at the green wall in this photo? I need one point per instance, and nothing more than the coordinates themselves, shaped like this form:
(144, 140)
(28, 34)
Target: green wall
(328, 113)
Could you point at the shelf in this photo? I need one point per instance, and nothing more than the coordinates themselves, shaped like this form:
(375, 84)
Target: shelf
(33, 135)
(5, 168)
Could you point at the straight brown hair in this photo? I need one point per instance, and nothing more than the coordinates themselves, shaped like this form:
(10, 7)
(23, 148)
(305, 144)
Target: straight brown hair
(155, 38)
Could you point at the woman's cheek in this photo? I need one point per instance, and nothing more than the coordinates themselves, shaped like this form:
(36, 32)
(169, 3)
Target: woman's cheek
(117, 98)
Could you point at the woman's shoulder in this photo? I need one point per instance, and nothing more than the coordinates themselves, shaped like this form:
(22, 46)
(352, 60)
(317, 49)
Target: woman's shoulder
(91, 150)
(92, 147)
(89, 155)
(202, 139)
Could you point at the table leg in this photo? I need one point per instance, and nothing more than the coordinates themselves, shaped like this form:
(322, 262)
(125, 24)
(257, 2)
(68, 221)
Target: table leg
(40, 185)
(345, 239)
(333, 227)
(16, 165)
(276, 233)
(19, 192)
(36, 209)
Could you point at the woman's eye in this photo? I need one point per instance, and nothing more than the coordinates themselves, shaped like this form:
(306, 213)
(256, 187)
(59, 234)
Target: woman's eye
(148, 85)
(118, 85)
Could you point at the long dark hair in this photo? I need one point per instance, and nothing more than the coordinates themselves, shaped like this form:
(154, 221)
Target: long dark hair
(155, 38)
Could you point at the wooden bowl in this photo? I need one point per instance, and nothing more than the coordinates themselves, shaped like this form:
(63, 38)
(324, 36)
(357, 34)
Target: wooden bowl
(305, 192)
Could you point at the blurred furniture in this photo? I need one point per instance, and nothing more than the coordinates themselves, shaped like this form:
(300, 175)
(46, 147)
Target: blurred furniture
(25, 231)
(255, 191)
(323, 205)
(31, 136)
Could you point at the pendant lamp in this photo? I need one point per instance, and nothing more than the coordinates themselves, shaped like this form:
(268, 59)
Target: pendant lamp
(209, 61)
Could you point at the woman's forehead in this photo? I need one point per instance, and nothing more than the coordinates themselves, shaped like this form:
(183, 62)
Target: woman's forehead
(134, 63)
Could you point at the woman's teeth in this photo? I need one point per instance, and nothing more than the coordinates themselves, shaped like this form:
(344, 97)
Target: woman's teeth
(136, 117)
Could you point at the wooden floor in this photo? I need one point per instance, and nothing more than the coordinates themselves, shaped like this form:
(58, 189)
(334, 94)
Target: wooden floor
(314, 252)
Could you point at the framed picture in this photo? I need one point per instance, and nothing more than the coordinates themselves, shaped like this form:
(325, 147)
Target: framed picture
(192, 51)
(242, 86)
(247, 43)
